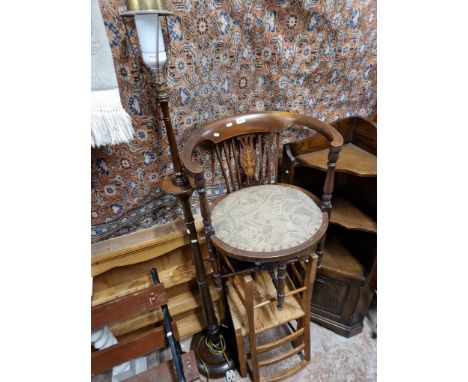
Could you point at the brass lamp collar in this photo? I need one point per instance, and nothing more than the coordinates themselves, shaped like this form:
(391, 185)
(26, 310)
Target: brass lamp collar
(142, 7)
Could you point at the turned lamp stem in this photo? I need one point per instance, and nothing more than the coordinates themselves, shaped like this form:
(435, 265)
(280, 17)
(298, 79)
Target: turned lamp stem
(163, 100)
(210, 346)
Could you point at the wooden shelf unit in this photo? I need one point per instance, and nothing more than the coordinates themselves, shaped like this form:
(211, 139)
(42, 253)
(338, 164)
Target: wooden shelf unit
(337, 258)
(347, 276)
(353, 160)
(349, 216)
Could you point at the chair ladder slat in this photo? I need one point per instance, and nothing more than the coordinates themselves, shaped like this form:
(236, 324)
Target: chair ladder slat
(283, 374)
(281, 356)
(238, 292)
(272, 300)
(297, 274)
(271, 345)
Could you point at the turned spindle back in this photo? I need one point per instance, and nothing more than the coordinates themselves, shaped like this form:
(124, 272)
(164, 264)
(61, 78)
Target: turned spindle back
(247, 146)
(249, 159)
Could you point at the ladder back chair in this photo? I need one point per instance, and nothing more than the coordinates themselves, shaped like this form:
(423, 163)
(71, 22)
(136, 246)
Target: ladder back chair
(124, 307)
(260, 228)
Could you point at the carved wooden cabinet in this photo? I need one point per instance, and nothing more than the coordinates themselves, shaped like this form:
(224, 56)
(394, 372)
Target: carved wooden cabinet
(347, 276)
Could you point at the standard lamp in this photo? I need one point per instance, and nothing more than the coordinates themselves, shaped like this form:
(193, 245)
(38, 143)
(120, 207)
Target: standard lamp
(210, 346)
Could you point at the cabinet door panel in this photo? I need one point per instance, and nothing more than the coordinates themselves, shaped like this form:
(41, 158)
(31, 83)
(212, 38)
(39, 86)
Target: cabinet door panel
(329, 295)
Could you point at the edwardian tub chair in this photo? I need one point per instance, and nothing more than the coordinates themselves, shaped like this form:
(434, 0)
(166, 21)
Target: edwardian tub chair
(262, 235)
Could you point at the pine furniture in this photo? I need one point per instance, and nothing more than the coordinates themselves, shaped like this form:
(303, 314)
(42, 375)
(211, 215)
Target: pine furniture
(120, 266)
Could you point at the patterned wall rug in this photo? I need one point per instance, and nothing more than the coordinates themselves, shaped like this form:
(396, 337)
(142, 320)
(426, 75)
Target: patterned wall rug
(316, 57)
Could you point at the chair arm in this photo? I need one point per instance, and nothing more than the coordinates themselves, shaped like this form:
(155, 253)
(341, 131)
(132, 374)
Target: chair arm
(333, 136)
(193, 169)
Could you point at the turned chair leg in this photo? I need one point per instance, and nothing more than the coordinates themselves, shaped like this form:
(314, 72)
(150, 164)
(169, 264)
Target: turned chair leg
(281, 284)
(241, 354)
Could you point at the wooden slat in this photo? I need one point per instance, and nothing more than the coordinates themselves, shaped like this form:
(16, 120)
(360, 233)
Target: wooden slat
(223, 169)
(237, 289)
(284, 373)
(228, 160)
(188, 323)
(194, 322)
(104, 359)
(140, 246)
(260, 158)
(290, 293)
(275, 164)
(352, 160)
(347, 215)
(268, 161)
(267, 316)
(164, 372)
(236, 161)
(170, 277)
(281, 356)
(178, 304)
(297, 274)
(127, 306)
(271, 345)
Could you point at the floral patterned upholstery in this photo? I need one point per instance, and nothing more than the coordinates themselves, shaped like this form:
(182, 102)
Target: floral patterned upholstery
(266, 218)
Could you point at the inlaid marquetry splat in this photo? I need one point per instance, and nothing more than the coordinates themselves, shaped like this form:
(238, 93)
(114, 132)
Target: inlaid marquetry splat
(248, 156)
(249, 159)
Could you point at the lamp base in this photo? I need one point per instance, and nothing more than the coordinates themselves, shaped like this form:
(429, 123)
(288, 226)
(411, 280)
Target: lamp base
(211, 362)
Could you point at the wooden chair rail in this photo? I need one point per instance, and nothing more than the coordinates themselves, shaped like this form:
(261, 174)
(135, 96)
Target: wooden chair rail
(238, 292)
(130, 305)
(297, 274)
(139, 345)
(274, 344)
(283, 374)
(281, 356)
(274, 299)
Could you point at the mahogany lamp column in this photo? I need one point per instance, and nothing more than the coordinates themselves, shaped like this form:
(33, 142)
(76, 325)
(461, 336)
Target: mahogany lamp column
(210, 346)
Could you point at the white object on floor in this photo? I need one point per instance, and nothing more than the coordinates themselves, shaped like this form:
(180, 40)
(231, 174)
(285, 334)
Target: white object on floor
(103, 338)
(230, 376)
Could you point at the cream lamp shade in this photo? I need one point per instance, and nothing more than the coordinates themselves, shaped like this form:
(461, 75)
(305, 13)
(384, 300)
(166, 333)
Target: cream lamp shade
(151, 40)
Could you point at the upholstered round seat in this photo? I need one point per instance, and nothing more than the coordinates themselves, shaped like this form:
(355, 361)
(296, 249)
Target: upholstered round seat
(266, 218)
